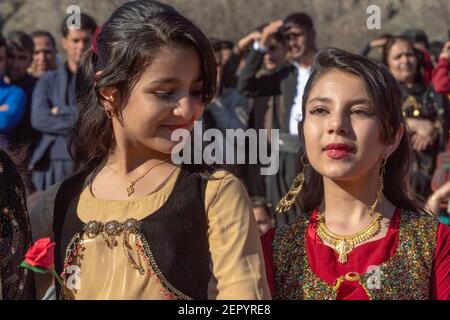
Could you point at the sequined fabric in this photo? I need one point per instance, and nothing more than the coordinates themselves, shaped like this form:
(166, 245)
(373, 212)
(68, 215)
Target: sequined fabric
(15, 234)
(406, 275)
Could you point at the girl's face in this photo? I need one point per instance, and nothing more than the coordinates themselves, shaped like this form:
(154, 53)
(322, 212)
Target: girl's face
(167, 96)
(342, 136)
(402, 61)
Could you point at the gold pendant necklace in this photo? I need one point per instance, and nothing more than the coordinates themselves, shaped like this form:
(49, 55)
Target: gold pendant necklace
(132, 183)
(130, 188)
(345, 244)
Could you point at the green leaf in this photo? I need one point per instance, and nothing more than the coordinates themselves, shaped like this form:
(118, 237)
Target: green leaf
(33, 268)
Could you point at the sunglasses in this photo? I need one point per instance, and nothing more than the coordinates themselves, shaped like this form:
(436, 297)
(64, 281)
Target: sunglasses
(293, 35)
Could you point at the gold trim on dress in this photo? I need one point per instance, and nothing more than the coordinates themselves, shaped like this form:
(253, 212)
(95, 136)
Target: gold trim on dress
(109, 231)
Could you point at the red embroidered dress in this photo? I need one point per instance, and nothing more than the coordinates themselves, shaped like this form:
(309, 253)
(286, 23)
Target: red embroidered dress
(411, 262)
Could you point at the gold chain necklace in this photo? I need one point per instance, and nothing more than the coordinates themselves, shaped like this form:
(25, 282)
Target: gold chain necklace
(345, 244)
(130, 188)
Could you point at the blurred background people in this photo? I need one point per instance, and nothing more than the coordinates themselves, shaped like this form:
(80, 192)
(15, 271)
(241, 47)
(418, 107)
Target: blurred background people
(53, 107)
(20, 58)
(263, 211)
(285, 86)
(426, 111)
(228, 110)
(44, 55)
(12, 101)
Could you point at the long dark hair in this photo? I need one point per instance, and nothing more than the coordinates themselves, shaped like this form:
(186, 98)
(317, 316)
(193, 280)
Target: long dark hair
(126, 45)
(386, 97)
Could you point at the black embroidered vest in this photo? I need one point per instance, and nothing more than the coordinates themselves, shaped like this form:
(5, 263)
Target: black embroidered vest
(175, 235)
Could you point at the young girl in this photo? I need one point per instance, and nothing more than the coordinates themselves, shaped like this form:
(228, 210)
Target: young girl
(131, 224)
(365, 235)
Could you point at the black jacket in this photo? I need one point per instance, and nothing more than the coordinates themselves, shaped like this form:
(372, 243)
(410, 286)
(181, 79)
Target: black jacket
(282, 84)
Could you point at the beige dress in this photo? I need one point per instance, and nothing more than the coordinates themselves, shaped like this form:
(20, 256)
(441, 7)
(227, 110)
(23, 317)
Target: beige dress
(237, 263)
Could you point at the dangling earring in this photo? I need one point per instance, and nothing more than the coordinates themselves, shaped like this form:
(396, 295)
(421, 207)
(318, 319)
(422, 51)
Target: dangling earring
(109, 114)
(289, 198)
(381, 177)
(120, 118)
(380, 188)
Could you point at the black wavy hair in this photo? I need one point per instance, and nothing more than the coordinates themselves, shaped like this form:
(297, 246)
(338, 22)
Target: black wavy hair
(126, 45)
(385, 94)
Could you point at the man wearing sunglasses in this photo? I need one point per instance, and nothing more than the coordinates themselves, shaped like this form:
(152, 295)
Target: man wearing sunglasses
(286, 86)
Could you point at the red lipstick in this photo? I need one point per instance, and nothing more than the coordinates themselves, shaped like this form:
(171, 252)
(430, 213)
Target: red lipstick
(338, 150)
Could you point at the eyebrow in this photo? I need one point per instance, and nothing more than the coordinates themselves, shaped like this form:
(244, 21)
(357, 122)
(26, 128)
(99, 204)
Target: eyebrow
(351, 102)
(409, 52)
(320, 99)
(169, 80)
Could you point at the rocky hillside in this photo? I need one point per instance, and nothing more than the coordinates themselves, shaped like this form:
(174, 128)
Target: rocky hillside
(338, 23)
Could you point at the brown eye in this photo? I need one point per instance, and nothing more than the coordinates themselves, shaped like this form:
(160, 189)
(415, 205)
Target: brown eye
(319, 111)
(363, 113)
(165, 95)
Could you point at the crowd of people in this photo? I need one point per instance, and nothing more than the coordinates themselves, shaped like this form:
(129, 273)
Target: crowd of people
(364, 158)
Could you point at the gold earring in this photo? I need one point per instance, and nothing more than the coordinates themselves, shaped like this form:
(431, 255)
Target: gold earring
(120, 118)
(109, 114)
(289, 199)
(372, 208)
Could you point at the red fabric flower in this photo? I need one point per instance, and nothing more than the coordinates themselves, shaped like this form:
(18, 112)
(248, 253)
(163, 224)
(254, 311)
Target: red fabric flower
(41, 254)
(40, 258)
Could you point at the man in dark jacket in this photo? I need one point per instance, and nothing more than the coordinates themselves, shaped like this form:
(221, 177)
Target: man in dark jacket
(20, 56)
(286, 87)
(53, 108)
(12, 101)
